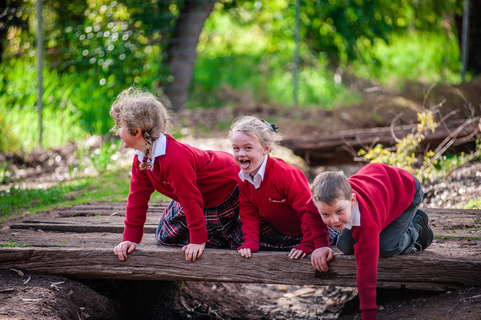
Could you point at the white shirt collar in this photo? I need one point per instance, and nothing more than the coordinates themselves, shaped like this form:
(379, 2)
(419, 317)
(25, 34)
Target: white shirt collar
(256, 181)
(158, 149)
(355, 220)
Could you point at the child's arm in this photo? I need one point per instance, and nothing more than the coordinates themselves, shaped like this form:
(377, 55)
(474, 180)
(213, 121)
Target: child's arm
(123, 248)
(320, 257)
(193, 251)
(300, 198)
(137, 204)
(251, 223)
(245, 252)
(296, 254)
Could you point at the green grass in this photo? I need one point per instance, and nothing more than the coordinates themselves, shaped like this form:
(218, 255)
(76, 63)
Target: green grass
(112, 186)
(11, 244)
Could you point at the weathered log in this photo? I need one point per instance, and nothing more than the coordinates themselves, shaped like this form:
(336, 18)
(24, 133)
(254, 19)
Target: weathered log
(414, 271)
(341, 147)
(80, 246)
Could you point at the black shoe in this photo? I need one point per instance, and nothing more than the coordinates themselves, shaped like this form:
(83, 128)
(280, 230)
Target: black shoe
(425, 237)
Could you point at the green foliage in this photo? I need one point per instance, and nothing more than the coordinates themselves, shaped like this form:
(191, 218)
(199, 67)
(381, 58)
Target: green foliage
(102, 156)
(9, 141)
(404, 155)
(426, 57)
(4, 172)
(95, 49)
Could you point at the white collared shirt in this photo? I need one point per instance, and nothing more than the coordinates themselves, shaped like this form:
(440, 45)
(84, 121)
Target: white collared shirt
(158, 149)
(355, 220)
(257, 179)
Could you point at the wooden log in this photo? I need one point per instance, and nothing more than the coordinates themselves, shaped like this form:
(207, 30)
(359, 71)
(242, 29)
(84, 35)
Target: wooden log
(335, 148)
(414, 271)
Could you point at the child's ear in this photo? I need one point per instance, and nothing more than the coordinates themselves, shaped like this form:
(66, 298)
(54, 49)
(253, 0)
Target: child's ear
(353, 199)
(137, 132)
(267, 148)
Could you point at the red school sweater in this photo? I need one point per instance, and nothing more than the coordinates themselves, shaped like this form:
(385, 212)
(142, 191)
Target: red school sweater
(383, 193)
(281, 202)
(196, 178)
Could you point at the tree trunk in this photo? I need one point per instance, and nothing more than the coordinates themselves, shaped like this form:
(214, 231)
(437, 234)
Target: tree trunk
(181, 52)
(474, 44)
(474, 36)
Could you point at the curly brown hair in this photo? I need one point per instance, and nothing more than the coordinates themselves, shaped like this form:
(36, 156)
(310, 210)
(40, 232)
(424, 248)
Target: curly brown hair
(137, 108)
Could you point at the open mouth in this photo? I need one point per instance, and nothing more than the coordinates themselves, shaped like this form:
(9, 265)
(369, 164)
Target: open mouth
(244, 164)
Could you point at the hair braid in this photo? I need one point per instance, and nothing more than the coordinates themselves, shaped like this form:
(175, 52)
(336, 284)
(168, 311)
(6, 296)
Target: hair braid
(146, 164)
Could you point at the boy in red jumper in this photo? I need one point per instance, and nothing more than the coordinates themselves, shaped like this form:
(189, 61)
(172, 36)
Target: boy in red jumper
(202, 184)
(273, 196)
(376, 212)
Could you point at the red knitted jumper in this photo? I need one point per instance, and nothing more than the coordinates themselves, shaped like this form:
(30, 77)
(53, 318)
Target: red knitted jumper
(196, 178)
(383, 193)
(281, 200)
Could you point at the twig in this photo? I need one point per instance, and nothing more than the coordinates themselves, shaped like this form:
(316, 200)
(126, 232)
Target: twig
(392, 127)
(427, 94)
(473, 297)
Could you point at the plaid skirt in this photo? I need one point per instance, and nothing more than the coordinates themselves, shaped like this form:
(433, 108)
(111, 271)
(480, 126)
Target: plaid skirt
(273, 240)
(222, 223)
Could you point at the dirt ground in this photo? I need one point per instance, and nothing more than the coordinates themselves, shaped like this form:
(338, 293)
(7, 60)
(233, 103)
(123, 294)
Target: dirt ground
(35, 296)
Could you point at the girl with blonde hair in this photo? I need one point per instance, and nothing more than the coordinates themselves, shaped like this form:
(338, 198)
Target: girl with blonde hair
(202, 184)
(276, 207)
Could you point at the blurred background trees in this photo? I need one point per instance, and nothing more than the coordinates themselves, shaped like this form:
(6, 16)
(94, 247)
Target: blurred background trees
(190, 51)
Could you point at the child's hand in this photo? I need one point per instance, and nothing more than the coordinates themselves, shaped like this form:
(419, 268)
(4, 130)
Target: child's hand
(123, 248)
(193, 251)
(245, 252)
(320, 257)
(296, 254)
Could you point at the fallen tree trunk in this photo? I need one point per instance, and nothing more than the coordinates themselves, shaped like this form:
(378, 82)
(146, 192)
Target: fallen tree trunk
(77, 242)
(426, 271)
(341, 147)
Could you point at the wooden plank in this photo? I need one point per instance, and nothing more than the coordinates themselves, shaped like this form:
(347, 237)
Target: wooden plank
(446, 222)
(78, 227)
(106, 209)
(166, 263)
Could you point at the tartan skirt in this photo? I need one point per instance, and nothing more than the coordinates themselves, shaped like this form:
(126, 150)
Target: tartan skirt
(274, 240)
(222, 222)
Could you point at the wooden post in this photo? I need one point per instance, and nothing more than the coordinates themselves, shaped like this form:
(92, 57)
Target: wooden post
(40, 69)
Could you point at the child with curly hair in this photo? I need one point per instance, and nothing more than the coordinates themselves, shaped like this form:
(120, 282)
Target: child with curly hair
(202, 184)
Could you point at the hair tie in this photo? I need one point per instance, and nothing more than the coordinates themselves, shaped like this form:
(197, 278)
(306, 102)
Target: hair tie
(271, 126)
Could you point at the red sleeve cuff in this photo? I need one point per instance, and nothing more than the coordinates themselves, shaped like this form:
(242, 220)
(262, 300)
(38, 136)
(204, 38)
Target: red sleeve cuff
(368, 315)
(254, 246)
(198, 237)
(307, 249)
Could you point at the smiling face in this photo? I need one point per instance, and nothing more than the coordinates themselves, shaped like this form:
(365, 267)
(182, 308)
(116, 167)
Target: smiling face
(338, 214)
(248, 152)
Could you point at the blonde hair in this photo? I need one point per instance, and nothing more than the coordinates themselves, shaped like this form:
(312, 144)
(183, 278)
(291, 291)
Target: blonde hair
(136, 108)
(329, 186)
(253, 126)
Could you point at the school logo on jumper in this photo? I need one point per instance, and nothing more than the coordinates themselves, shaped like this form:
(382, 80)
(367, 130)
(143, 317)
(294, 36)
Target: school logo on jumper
(277, 200)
